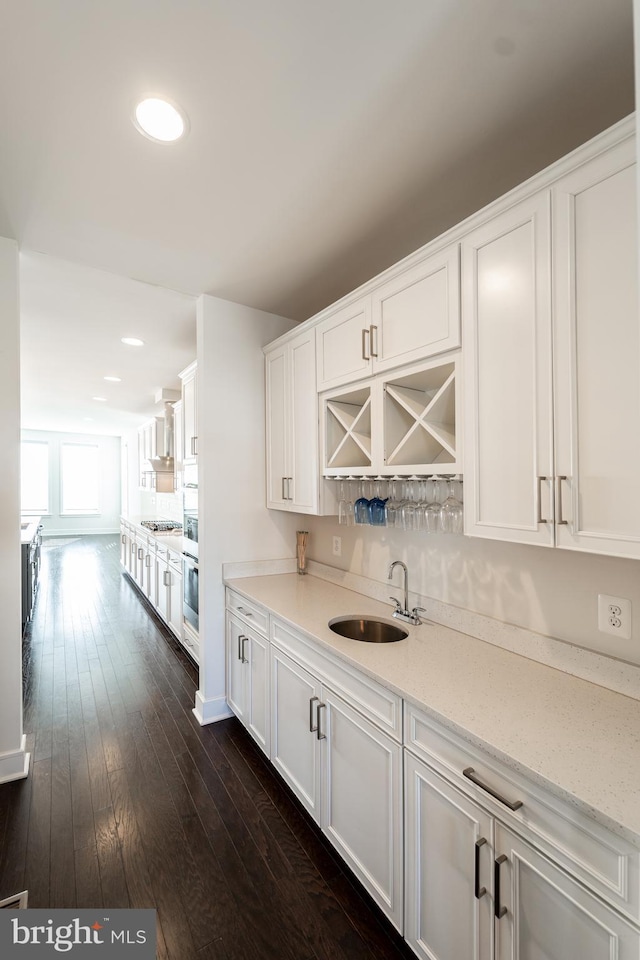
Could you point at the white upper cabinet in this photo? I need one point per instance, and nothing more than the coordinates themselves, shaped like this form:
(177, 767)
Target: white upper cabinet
(189, 415)
(417, 314)
(597, 351)
(343, 344)
(412, 315)
(506, 311)
(292, 426)
(550, 361)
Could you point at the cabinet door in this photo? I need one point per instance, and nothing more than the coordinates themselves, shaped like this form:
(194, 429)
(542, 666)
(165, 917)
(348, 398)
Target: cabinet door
(506, 315)
(362, 801)
(178, 445)
(548, 916)
(449, 862)
(303, 416)
(124, 547)
(140, 571)
(278, 403)
(189, 420)
(162, 575)
(343, 345)
(237, 654)
(417, 314)
(597, 345)
(148, 584)
(295, 752)
(176, 602)
(258, 715)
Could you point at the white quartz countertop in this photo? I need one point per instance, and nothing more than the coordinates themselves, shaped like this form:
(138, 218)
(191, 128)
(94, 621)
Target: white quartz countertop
(28, 529)
(173, 540)
(580, 740)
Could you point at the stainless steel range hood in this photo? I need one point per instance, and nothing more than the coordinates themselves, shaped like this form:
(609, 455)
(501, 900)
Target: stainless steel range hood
(164, 462)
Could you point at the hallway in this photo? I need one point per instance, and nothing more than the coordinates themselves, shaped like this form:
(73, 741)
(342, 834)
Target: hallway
(130, 803)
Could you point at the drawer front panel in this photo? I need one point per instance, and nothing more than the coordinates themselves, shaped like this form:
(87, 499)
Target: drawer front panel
(254, 615)
(380, 705)
(601, 859)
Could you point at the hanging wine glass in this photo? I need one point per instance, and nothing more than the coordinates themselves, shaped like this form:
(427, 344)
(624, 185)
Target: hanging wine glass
(351, 508)
(362, 503)
(410, 505)
(377, 505)
(393, 503)
(342, 502)
(451, 511)
(432, 510)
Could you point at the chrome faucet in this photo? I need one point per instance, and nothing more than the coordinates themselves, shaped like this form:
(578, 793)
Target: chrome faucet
(400, 612)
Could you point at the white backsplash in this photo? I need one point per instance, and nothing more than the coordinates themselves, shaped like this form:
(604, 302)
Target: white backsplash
(161, 506)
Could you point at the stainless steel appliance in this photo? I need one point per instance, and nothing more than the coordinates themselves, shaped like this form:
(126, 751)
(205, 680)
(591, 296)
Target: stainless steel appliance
(190, 589)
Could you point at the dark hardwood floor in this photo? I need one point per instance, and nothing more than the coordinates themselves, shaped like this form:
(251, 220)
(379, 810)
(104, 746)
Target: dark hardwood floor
(130, 803)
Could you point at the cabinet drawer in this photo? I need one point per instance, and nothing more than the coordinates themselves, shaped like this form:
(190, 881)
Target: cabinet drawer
(603, 861)
(192, 644)
(380, 705)
(254, 615)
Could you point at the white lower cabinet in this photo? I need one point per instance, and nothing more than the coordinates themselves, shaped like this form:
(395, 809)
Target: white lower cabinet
(172, 577)
(361, 809)
(157, 572)
(248, 679)
(546, 915)
(295, 747)
(497, 868)
(448, 857)
(347, 773)
(468, 858)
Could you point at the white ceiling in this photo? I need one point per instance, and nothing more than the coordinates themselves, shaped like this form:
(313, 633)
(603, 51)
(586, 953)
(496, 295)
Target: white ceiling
(328, 139)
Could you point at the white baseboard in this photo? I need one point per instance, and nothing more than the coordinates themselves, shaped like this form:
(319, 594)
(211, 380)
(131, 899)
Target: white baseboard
(209, 711)
(15, 764)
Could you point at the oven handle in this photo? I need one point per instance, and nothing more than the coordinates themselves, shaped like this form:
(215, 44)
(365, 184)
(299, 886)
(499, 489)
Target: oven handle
(190, 561)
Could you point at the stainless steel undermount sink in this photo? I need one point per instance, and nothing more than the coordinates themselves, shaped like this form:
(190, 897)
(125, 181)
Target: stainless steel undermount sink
(368, 629)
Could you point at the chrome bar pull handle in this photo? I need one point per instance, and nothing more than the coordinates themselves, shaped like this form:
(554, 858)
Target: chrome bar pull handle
(499, 909)
(166, 578)
(365, 350)
(560, 521)
(239, 646)
(479, 891)
(372, 328)
(319, 734)
(312, 700)
(147, 560)
(245, 613)
(284, 495)
(140, 553)
(243, 640)
(540, 518)
(469, 773)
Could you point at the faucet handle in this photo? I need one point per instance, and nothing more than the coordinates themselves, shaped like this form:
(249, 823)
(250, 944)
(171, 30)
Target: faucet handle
(397, 603)
(416, 613)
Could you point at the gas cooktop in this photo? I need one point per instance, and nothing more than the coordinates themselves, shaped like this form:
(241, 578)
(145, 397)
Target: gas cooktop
(161, 526)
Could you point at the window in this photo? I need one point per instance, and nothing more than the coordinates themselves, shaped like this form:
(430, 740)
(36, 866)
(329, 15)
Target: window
(80, 478)
(34, 477)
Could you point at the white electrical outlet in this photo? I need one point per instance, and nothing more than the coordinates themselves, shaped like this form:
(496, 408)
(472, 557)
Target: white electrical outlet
(337, 546)
(614, 616)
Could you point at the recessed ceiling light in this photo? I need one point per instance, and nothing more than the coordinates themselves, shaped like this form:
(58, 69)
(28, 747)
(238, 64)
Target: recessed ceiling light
(113, 379)
(160, 120)
(101, 399)
(132, 341)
